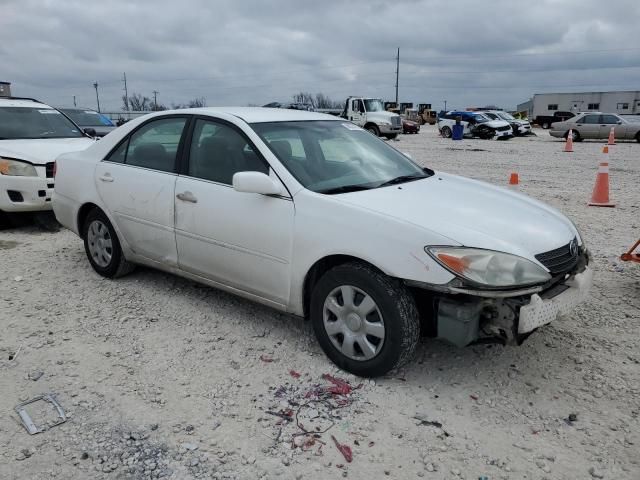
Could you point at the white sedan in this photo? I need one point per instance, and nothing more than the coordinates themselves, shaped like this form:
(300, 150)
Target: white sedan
(313, 215)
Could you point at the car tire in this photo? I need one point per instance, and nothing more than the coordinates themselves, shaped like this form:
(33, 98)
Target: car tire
(383, 337)
(446, 132)
(546, 125)
(638, 137)
(575, 136)
(391, 136)
(102, 246)
(373, 129)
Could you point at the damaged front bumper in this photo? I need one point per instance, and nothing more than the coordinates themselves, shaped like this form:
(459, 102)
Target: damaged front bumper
(463, 316)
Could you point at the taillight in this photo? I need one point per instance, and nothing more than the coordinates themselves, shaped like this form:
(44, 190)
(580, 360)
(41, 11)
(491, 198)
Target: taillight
(55, 169)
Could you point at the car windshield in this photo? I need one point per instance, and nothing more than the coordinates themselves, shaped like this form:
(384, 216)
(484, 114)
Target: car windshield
(505, 116)
(336, 157)
(480, 118)
(30, 122)
(87, 118)
(373, 105)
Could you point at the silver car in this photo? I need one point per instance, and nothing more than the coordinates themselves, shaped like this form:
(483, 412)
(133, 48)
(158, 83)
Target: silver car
(597, 125)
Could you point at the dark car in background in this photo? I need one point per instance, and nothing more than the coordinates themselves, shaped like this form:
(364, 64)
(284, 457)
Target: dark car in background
(409, 126)
(89, 119)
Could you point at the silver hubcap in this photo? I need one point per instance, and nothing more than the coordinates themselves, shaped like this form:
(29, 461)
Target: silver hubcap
(100, 246)
(353, 322)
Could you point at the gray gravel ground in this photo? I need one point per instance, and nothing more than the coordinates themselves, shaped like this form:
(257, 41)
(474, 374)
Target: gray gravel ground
(164, 378)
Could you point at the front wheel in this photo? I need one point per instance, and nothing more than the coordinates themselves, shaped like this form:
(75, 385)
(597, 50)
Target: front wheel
(366, 322)
(546, 125)
(373, 129)
(575, 136)
(102, 246)
(391, 136)
(446, 132)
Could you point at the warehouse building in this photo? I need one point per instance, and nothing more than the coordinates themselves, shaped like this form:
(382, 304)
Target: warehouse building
(546, 104)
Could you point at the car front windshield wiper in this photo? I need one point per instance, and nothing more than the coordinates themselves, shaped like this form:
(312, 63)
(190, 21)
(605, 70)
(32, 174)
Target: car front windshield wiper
(345, 189)
(403, 179)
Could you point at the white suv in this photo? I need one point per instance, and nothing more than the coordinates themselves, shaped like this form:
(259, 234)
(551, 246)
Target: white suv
(32, 135)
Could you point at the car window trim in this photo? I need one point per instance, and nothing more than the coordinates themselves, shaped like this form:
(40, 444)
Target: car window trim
(184, 165)
(179, 151)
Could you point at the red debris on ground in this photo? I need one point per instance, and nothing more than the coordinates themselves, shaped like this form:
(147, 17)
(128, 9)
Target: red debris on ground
(345, 450)
(294, 374)
(266, 359)
(340, 387)
(475, 397)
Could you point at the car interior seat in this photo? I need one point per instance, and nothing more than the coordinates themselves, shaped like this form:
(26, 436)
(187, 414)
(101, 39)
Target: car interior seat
(152, 155)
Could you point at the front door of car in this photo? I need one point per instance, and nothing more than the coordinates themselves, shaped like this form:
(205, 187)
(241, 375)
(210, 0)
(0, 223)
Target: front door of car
(607, 121)
(242, 240)
(589, 126)
(136, 183)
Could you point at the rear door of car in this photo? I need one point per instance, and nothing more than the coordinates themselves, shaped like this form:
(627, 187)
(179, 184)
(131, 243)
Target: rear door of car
(136, 182)
(241, 240)
(588, 126)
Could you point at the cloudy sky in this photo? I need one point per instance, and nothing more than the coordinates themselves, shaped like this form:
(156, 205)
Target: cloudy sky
(240, 52)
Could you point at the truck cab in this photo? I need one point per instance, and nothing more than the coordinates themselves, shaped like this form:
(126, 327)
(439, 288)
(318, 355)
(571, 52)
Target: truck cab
(369, 113)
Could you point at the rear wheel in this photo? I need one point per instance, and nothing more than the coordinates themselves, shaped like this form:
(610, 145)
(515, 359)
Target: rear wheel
(102, 246)
(366, 322)
(638, 137)
(391, 136)
(546, 125)
(446, 132)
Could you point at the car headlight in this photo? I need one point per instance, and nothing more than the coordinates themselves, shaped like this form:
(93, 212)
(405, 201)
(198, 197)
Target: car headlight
(488, 268)
(17, 168)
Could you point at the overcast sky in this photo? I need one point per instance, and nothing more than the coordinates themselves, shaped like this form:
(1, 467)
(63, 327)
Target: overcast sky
(240, 52)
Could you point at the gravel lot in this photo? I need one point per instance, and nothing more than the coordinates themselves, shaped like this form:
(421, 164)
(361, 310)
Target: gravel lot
(164, 378)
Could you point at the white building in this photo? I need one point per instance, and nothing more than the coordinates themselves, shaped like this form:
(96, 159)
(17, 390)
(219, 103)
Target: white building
(546, 104)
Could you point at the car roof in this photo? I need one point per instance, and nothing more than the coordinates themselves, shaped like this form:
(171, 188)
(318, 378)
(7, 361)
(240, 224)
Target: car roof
(22, 102)
(259, 114)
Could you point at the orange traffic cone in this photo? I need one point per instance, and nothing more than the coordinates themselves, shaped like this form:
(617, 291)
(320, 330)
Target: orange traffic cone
(612, 137)
(513, 179)
(605, 149)
(568, 147)
(600, 196)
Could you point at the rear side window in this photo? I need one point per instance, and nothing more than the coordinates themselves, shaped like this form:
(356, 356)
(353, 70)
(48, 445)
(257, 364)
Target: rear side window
(154, 145)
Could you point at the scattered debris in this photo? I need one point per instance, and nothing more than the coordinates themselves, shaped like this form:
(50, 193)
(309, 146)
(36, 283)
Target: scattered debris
(266, 359)
(13, 356)
(294, 374)
(29, 424)
(345, 450)
(35, 375)
(573, 417)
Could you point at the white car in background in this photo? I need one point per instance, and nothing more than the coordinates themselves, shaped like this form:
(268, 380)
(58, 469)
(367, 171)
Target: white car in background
(32, 135)
(475, 124)
(519, 126)
(313, 215)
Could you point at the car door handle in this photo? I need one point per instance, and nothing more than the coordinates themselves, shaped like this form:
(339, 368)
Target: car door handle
(187, 197)
(106, 178)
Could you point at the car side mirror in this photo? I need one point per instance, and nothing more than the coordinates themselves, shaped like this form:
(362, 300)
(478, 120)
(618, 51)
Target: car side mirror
(256, 182)
(619, 122)
(90, 131)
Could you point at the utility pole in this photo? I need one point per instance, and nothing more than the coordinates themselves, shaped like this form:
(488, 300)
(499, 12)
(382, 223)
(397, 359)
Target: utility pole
(126, 92)
(74, 101)
(397, 75)
(445, 105)
(95, 85)
(155, 100)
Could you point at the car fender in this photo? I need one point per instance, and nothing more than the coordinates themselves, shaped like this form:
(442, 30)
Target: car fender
(364, 234)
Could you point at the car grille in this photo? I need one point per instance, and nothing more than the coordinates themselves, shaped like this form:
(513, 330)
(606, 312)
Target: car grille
(561, 259)
(395, 121)
(49, 169)
(502, 129)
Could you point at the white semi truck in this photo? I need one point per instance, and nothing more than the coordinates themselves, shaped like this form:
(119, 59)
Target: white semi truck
(369, 113)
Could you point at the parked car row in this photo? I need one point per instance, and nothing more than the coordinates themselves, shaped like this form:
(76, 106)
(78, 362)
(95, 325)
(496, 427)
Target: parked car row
(475, 124)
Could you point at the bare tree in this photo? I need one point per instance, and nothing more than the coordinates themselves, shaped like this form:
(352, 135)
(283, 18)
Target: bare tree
(194, 103)
(303, 97)
(323, 101)
(138, 103)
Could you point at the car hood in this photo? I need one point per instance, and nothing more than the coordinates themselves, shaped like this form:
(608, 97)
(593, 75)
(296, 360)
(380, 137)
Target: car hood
(42, 150)
(496, 123)
(471, 213)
